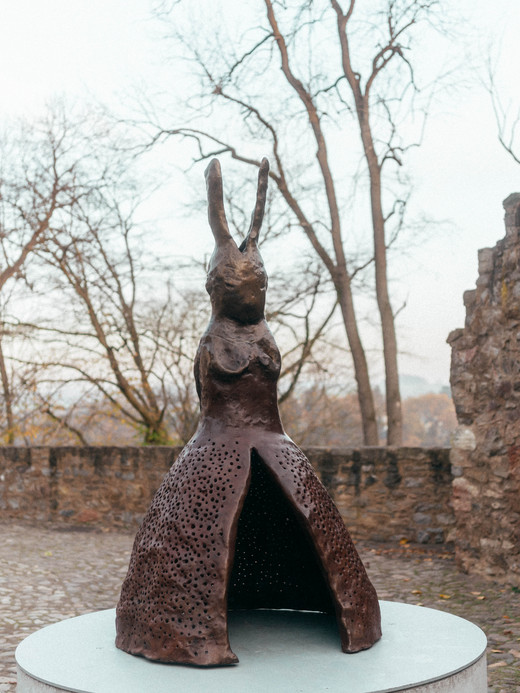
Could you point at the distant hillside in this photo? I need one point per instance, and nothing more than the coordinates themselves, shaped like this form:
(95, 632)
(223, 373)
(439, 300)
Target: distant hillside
(415, 386)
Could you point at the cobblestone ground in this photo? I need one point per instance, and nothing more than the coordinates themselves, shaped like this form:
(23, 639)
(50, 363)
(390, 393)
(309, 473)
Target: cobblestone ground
(47, 574)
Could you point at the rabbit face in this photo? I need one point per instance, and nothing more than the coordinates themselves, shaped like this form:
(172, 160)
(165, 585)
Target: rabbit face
(237, 287)
(237, 281)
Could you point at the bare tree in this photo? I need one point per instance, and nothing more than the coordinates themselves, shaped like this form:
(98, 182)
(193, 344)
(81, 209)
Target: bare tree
(18, 387)
(300, 81)
(39, 182)
(68, 200)
(301, 323)
(507, 116)
(115, 337)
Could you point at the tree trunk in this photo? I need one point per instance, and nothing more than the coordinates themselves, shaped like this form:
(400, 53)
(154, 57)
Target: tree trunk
(393, 394)
(364, 390)
(337, 267)
(9, 437)
(155, 434)
(361, 99)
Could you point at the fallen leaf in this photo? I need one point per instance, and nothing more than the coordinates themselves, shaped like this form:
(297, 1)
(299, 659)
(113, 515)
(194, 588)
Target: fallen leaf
(445, 596)
(515, 653)
(498, 651)
(482, 596)
(495, 665)
(416, 591)
(476, 593)
(47, 553)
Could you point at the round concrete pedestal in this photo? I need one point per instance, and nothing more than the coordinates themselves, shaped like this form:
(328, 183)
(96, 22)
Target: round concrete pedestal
(422, 650)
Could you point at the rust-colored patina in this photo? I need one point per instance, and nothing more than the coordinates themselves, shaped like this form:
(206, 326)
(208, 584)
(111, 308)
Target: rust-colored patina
(241, 521)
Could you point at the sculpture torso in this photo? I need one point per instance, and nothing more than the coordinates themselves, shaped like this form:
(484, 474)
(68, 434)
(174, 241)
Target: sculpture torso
(236, 371)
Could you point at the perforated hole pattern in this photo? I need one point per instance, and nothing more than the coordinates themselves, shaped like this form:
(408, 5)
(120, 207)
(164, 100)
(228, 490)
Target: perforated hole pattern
(292, 551)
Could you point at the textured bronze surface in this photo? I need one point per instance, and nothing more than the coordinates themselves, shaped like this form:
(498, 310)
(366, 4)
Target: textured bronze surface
(241, 521)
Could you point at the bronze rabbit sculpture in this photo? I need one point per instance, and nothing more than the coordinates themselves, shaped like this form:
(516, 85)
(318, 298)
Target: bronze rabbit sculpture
(241, 521)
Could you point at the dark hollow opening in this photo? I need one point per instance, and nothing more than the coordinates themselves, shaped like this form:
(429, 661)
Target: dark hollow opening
(275, 564)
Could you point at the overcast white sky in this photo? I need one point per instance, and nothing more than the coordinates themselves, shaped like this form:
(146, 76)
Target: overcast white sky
(103, 47)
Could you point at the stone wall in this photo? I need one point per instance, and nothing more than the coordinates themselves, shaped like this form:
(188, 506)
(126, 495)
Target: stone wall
(387, 494)
(383, 494)
(485, 380)
(107, 485)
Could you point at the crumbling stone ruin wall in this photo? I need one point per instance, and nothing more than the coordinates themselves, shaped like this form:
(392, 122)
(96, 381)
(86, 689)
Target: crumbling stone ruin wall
(384, 494)
(485, 381)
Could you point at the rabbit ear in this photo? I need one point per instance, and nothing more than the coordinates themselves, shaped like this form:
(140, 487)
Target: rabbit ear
(216, 212)
(258, 213)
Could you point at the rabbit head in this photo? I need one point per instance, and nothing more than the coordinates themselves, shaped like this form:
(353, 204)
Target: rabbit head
(237, 281)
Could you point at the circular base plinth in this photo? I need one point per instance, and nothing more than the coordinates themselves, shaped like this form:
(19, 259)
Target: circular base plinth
(421, 650)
